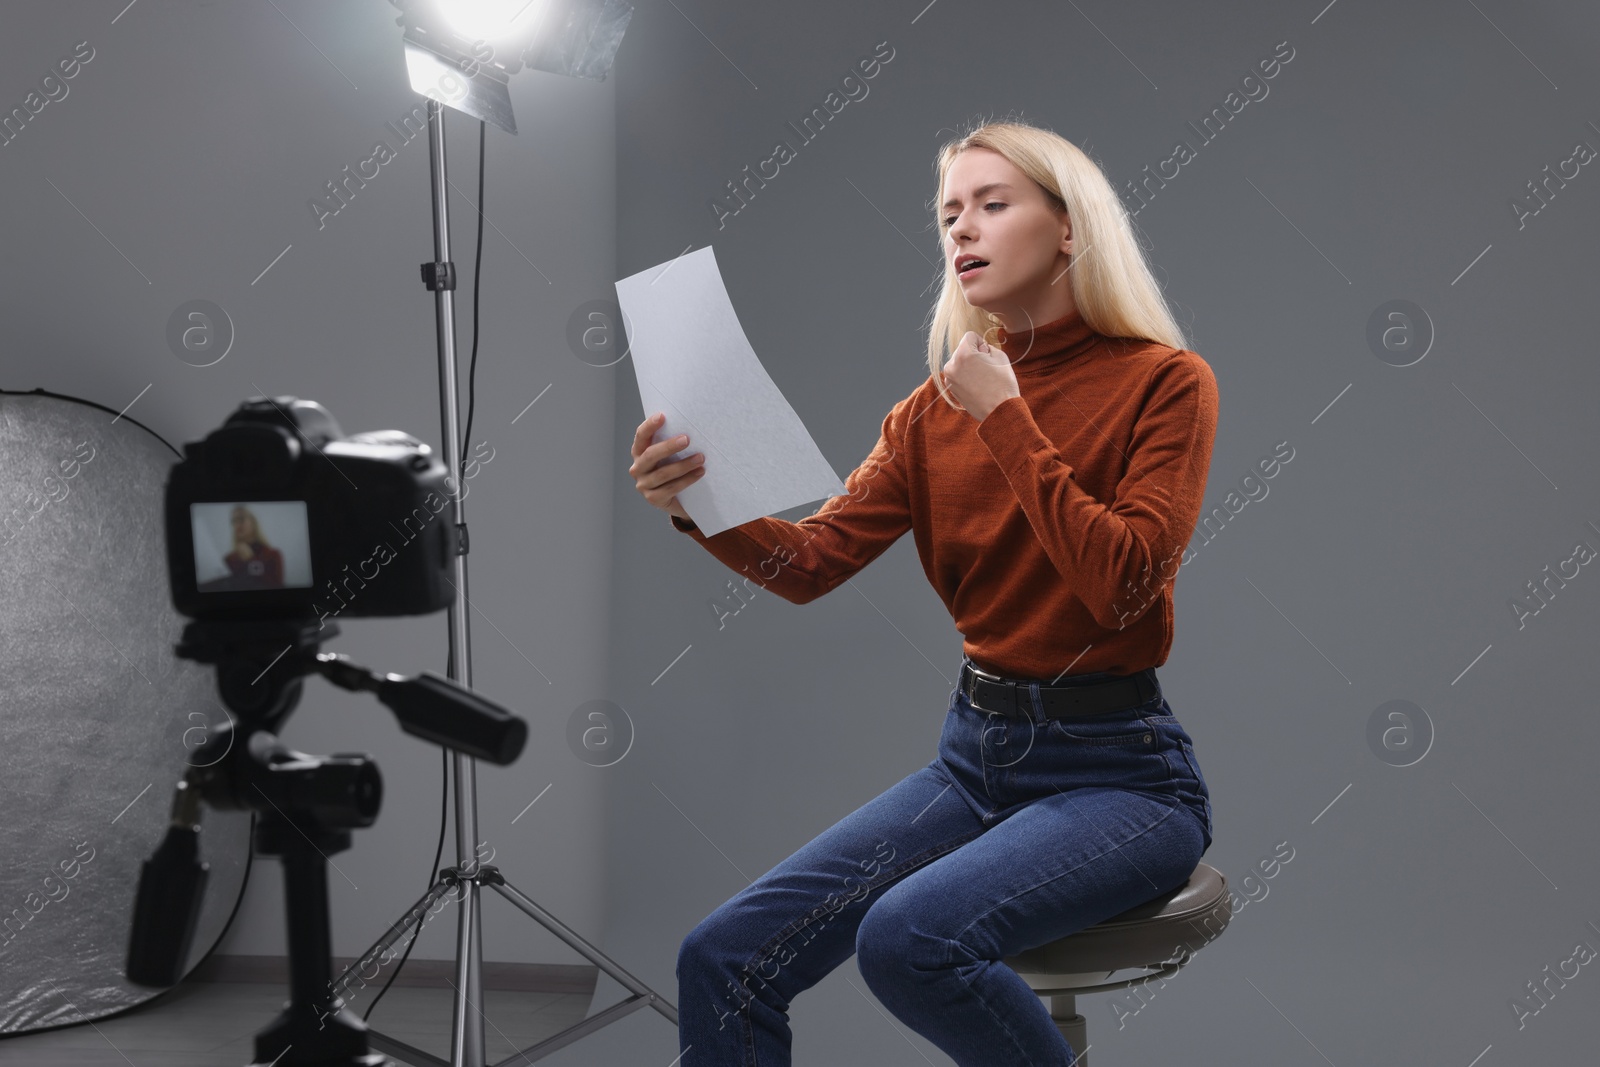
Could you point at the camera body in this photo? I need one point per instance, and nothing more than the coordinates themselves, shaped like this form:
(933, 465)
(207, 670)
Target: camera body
(278, 515)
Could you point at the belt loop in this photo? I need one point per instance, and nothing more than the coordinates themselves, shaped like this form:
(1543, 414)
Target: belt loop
(1037, 711)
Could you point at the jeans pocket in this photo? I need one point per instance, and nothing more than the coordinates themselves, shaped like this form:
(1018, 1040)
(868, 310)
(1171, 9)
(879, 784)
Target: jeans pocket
(1178, 749)
(1115, 729)
(1185, 746)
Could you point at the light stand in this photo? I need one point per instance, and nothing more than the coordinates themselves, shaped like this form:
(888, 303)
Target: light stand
(579, 39)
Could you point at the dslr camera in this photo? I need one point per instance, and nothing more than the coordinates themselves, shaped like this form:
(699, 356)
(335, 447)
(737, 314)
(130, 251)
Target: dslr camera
(278, 514)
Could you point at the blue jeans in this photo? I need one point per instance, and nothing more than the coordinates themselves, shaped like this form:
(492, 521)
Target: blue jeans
(1020, 832)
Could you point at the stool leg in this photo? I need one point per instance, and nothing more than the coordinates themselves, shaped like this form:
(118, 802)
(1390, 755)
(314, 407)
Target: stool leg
(1073, 1027)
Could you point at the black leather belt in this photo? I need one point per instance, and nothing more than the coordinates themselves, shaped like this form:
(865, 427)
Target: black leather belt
(1013, 697)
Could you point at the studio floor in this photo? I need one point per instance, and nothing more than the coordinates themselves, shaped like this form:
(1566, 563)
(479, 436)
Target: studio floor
(213, 1024)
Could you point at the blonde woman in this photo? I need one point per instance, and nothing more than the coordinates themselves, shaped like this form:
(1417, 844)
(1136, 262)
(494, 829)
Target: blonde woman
(1051, 468)
(252, 562)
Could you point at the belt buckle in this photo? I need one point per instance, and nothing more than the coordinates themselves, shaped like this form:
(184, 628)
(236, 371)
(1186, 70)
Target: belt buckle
(995, 679)
(981, 673)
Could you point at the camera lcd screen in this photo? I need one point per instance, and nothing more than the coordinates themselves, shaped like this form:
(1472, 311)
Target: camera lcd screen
(251, 545)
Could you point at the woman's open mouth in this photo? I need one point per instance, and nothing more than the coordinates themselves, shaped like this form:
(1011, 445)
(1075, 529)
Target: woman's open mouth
(972, 268)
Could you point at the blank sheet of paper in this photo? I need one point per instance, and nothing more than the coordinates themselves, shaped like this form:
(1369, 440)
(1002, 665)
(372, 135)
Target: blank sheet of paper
(694, 364)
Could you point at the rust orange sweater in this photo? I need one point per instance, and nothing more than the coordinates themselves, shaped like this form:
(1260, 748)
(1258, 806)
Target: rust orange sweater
(1052, 530)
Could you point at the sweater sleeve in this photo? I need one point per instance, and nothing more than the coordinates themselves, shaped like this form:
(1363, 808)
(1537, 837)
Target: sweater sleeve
(1105, 551)
(801, 561)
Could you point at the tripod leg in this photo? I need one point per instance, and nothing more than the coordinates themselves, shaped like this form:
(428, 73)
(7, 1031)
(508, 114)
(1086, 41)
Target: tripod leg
(595, 956)
(417, 916)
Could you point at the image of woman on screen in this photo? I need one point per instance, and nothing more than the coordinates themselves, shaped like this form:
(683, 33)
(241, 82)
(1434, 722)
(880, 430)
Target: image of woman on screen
(252, 563)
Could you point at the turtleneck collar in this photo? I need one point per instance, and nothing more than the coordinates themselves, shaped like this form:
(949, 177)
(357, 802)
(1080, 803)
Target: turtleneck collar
(1047, 345)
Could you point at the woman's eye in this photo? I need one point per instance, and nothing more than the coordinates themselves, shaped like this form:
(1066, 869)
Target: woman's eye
(949, 220)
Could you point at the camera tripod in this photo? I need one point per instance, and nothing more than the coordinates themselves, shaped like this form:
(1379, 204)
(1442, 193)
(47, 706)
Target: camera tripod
(306, 807)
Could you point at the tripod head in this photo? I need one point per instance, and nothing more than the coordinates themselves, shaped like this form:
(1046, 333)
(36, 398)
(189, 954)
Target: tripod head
(306, 807)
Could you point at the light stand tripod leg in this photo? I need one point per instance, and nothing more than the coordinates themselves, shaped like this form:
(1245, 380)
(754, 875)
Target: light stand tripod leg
(643, 995)
(594, 955)
(414, 917)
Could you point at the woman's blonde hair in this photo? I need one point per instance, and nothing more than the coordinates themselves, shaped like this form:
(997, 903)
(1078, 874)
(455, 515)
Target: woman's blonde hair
(255, 525)
(1112, 285)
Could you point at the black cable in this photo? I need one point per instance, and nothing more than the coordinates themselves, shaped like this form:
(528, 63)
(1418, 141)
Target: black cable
(444, 794)
(477, 274)
(249, 865)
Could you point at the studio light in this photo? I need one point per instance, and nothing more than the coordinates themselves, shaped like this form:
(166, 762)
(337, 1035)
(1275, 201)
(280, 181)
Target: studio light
(461, 53)
(489, 19)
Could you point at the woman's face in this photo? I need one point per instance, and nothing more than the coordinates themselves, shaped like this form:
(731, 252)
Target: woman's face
(243, 526)
(995, 212)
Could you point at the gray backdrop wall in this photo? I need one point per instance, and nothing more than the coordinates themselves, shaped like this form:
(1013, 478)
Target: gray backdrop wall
(1390, 560)
(1380, 564)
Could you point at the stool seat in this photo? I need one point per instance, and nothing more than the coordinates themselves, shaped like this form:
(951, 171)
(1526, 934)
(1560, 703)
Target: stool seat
(1157, 937)
(1160, 934)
